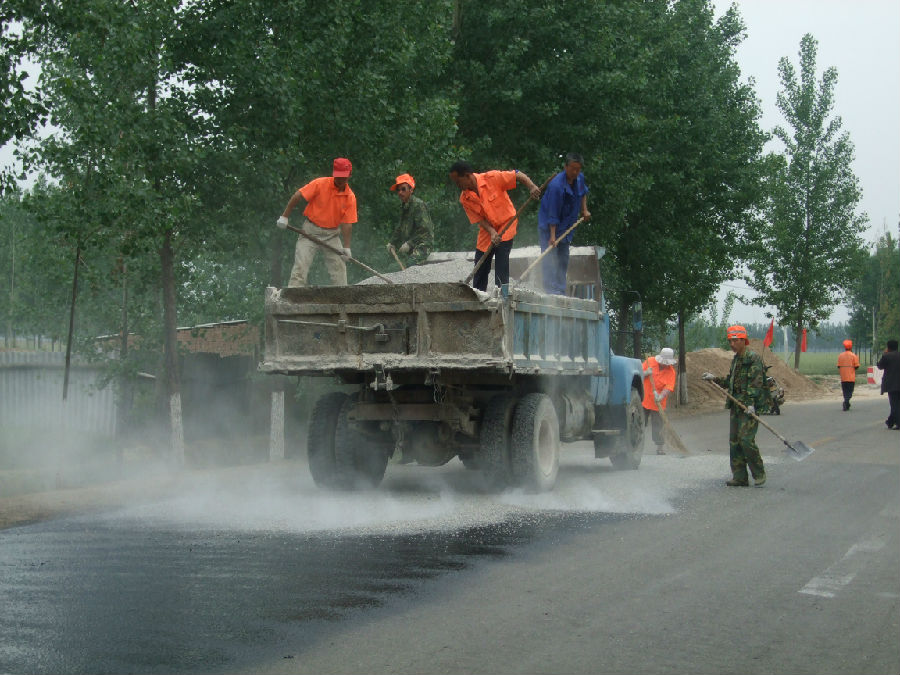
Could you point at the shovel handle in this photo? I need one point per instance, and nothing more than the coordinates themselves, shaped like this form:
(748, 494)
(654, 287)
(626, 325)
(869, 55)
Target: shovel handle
(676, 439)
(550, 248)
(753, 415)
(396, 257)
(331, 248)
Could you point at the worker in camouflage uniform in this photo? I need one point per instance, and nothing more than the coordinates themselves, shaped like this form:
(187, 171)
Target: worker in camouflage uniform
(413, 238)
(746, 382)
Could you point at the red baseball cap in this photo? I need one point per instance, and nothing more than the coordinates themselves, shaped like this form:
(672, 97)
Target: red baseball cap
(342, 168)
(403, 178)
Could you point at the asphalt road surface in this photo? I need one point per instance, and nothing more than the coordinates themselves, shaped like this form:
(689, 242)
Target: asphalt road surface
(660, 570)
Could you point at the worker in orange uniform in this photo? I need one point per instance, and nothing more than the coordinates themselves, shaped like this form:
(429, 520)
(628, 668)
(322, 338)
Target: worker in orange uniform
(847, 365)
(330, 213)
(662, 366)
(485, 199)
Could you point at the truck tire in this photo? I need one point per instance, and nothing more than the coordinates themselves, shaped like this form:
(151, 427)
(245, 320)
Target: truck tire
(358, 464)
(320, 438)
(496, 427)
(534, 451)
(630, 442)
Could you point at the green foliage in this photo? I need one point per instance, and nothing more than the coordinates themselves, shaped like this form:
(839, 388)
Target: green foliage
(193, 123)
(809, 248)
(875, 296)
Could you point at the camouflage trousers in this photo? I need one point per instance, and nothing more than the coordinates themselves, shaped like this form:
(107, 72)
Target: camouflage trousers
(742, 447)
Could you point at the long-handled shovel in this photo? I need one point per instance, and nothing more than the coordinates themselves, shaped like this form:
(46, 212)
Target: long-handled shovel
(331, 248)
(673, 437)
(490, 247)
(550, 248)
(797, 450)
(396, 257)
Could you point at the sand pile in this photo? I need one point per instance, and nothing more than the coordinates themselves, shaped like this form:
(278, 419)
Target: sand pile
(718, 361)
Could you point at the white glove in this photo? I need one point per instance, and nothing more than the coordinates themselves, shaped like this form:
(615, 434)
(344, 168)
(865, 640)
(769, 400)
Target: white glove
(405, 248)
(708, 376)
(348, 253)
(664, 394)
(751, 410)
(657, 397)
(645, 374)
(282, 223)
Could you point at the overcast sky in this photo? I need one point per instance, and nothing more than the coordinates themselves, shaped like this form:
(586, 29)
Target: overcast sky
(860, 39)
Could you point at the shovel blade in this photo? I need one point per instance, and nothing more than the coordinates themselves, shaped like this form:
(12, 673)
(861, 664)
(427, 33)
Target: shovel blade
(799, 450)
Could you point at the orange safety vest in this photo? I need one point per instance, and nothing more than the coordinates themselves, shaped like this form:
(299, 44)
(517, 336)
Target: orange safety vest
(847, 363)
(663, 377)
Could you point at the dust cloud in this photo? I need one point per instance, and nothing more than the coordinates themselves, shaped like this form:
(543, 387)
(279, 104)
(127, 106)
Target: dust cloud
(281, 498)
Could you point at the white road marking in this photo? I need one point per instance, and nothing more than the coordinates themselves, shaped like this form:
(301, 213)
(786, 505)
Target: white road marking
(838, 575)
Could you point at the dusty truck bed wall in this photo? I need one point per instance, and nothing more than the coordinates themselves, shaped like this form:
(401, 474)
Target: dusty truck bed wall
(427, 326)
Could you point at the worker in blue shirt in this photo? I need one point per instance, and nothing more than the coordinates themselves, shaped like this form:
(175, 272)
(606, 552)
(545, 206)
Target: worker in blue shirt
(563, 202)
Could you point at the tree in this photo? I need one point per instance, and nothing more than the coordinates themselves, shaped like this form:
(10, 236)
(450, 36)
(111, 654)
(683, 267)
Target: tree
(874, 299)
(21, 109)
(809, 247)
(649, 93)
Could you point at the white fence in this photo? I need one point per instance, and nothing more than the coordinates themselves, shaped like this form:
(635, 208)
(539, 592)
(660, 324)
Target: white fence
(31, 388)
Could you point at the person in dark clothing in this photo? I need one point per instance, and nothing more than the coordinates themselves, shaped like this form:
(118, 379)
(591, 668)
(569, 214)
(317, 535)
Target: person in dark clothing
(890, 382)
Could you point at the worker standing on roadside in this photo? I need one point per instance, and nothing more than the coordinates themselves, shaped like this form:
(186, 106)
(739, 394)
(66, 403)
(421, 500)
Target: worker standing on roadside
(847, 365)
(563, 202)
(414, 235)
(663, 371)
(330, 213)
(485, 199)
(746, 382)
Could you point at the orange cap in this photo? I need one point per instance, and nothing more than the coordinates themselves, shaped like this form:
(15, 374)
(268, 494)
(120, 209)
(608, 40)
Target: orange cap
(848, 344)
(403, 178)
(736, 332)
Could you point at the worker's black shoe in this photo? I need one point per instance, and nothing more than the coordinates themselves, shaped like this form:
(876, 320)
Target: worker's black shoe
(846, 405)
(759, 482)
(736, 483)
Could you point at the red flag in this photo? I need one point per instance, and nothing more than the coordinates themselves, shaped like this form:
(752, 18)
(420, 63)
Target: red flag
(770, 334)
(803, 341)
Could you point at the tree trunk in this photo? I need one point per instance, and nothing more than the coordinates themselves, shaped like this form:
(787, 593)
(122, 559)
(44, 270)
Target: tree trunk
(126, 394)
(173, 384)
(65, 391)
(681, 389)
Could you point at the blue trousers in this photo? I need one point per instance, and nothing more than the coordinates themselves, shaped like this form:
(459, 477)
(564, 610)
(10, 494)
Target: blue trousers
(555, 266)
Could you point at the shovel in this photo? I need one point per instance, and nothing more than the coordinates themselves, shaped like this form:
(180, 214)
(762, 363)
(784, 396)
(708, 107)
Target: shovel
(797, 450)
(338, 252)
(673, 437)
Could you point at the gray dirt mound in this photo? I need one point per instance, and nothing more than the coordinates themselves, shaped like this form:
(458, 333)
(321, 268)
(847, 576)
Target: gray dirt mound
(701, 394)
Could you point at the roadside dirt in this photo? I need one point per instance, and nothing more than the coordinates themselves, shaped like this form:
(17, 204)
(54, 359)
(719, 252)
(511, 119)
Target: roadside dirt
(702, 396)
(35, 507)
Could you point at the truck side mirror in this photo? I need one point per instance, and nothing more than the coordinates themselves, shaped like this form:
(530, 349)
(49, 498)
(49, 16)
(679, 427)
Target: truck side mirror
(638, 316)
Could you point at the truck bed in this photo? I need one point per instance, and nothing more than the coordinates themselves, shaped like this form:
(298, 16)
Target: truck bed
(445, 326)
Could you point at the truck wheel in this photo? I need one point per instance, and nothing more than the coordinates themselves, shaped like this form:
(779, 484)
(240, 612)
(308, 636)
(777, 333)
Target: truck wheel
(320, 438)
(358, 464)
(630, 442)
(534, 451)
(496, 426)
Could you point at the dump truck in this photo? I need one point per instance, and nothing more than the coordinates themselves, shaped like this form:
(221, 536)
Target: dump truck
(440, 370)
